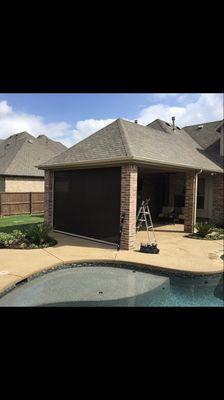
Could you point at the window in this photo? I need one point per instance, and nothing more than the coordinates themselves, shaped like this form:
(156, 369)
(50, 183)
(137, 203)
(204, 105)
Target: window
(201, 194)
(179, 194)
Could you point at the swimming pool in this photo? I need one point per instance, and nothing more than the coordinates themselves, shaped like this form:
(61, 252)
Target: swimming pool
(118, 285)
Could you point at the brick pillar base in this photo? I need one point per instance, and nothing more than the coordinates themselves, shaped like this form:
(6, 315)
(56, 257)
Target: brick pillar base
(129, 174)
(189, 216)
(48, 194)
(218, 200)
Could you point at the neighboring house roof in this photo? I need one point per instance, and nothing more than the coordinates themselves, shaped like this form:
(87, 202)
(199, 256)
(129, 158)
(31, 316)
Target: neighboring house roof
(21, 153)
(204, 134)
(207, 135)
(127, 141)
(220, 127)
(162, 126)
(56, 147)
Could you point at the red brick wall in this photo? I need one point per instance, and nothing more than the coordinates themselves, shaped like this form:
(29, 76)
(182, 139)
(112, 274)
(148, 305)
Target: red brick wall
(129, 174)
(48, 196)
(218, 200)
(189, 202)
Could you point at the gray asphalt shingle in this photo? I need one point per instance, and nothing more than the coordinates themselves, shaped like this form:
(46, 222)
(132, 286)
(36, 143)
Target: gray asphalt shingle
(124, 140)
(21, 153)
(204, 134)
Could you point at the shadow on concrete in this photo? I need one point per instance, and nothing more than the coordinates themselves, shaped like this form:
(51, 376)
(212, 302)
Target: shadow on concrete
(169, 231)
(67, 240)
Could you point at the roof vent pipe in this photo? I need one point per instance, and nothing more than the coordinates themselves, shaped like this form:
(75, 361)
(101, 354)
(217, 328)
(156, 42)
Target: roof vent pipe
(173, 122)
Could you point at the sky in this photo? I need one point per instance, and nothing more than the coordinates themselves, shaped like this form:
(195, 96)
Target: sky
(69, 118)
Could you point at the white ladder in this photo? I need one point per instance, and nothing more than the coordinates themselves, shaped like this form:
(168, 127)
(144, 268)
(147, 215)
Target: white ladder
(144, 216)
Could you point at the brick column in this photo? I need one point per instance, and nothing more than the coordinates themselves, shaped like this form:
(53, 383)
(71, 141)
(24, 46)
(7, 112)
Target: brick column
(218, 200)
(129, 175)
(189, 215)
(48, 194)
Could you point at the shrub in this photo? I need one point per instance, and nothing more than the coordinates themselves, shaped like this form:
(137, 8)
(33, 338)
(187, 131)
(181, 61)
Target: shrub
(33, 238)
(204, 228)
(38, 234)
(14, 239)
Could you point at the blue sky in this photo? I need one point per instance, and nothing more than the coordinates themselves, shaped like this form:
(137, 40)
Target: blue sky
(75, 107)
(71, 117)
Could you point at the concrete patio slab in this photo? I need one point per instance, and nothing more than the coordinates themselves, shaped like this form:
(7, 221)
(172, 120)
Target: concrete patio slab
(69, 247)
(25, 262)
(8, 280)
(177, 253)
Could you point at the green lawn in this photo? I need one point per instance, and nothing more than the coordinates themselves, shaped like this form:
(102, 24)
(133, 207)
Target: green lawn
(8, 224)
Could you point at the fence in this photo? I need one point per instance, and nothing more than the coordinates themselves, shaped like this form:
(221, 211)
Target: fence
(21, 203)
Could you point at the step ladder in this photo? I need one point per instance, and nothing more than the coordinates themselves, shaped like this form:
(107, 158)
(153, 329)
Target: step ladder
(144, 216)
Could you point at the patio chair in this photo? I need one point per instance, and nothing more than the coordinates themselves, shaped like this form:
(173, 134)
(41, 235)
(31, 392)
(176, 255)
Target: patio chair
(174, 214)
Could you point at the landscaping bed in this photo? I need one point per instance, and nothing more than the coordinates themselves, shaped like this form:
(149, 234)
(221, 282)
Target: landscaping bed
(33, 237)
(207, 231)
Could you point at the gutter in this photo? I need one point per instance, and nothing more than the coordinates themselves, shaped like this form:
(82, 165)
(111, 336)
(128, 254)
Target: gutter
(196, 197)
(119, 160)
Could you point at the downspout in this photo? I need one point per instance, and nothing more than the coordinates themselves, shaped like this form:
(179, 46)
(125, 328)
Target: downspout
(196, 196)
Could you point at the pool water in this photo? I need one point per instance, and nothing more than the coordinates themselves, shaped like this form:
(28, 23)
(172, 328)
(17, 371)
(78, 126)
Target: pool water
(191, 292)
(106, 285)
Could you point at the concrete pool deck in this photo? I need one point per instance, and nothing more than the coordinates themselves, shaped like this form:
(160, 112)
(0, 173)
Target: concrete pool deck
(177, 253)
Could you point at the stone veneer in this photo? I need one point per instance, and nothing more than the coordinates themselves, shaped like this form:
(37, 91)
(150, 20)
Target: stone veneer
(189, 212)
(48, 197)
(218, 200)
(129, 175)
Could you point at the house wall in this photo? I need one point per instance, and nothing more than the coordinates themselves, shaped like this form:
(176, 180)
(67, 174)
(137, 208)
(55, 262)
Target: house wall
(222, 144)
(129, 175)
(218, 199)
(189, 210)
(206, 212)
(24, 184)
(48, 197)
(2, 184)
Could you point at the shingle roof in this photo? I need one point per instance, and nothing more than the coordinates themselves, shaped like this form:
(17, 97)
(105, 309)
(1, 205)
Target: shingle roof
(21, 153)
(123, 140)
(207, 135)
(160, 125)
(52, 145)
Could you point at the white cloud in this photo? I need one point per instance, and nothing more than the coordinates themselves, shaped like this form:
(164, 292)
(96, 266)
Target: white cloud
(12, 122)
(87, 127)
(4, 108)
(208, 107)
(164, 95)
